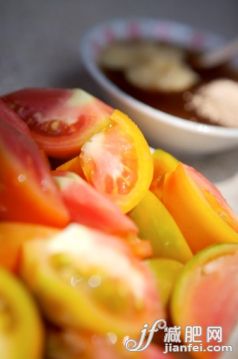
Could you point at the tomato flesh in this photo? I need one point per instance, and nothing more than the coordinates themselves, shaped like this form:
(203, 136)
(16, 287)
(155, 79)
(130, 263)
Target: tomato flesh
(91, 208)
(85, 279)
(60, 120)
(27, 192)
(7, 115)
(112, 170)
(117, 162)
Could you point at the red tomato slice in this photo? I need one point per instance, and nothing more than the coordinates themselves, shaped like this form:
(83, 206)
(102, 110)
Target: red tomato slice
(117, 162)
(60, 120)
(91, 208)
(27, 192)
(9, 116)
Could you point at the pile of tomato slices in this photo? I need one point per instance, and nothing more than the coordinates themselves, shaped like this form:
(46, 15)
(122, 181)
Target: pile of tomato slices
(95, 230)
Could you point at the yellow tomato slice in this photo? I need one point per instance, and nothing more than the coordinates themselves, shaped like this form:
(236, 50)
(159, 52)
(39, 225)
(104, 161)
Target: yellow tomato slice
(22, 335)
(118, 162)
(156, 224)
(200, 211)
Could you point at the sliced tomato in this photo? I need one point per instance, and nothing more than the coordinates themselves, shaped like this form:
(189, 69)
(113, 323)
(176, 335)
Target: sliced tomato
(27, 191)
(206, 296)
(60, 120)
(85, 279)
(200, 211)
(65, 344)
(21, 328)
(9, 116)
(91, 208)
(118, 162)
(214, 197)
(156, 224)
(12, 237)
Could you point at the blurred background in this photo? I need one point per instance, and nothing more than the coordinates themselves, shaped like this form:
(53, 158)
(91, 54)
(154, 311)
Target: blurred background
(39, 46)
(40, 39)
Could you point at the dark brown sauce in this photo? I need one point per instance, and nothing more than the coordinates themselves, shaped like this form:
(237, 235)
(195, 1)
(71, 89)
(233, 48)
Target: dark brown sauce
(174, 102)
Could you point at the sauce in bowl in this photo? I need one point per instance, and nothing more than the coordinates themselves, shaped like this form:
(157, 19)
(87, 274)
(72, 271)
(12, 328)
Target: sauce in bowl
(212, 98)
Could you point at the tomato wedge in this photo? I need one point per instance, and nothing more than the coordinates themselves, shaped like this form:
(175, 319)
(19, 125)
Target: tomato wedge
(27, 192)
(118, 162)
(21, 328)
(65, 344)
(61, 120)
(156, 224)
(91, 208)
(9, 116)
(202, 214)
(85, 279)
(206, 296)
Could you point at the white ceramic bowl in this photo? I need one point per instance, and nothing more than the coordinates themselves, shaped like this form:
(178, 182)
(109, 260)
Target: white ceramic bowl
(161, 129)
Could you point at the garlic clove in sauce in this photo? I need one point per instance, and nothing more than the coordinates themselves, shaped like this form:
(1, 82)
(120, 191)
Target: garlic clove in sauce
(217, 101)
(164, 74)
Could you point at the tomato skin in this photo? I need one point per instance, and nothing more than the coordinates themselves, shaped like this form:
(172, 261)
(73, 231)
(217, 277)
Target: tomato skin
(91, 208)
(61, 120)
(27, 191)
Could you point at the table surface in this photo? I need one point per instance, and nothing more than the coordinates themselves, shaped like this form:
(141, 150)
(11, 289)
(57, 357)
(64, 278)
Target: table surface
(40, 40)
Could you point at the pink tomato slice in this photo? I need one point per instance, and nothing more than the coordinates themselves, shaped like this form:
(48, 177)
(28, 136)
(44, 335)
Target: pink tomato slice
(206, 296)
(91, 208)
